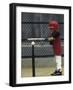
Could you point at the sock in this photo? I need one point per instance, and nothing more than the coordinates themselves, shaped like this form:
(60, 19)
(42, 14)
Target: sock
(58, 62)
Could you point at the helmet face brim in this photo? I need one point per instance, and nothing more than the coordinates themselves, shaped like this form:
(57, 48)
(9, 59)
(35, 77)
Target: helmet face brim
(53, 25)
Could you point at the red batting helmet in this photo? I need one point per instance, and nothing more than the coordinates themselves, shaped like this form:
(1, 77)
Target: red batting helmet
(53, 25)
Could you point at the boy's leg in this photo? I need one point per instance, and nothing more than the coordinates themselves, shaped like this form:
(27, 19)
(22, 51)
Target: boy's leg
(58, 60)
(58, 71)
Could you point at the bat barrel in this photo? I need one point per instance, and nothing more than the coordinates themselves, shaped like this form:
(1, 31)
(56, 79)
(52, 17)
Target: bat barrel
(37, 39)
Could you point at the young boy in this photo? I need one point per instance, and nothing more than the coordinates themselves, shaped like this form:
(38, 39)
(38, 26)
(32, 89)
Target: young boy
(56, 42)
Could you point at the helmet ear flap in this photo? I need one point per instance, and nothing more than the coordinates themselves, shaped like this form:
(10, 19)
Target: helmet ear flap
(53, 25)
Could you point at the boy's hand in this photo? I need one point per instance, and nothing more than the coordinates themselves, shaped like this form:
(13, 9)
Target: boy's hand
(51, 39)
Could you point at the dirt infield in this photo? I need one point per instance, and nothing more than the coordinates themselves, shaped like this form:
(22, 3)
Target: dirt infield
(42, 71)
(43, 66)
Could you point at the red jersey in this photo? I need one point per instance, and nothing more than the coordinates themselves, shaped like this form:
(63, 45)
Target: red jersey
(56, 43)
(57, 46)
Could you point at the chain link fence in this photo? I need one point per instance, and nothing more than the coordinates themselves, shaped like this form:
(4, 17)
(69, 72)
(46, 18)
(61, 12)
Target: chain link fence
(35, 25)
